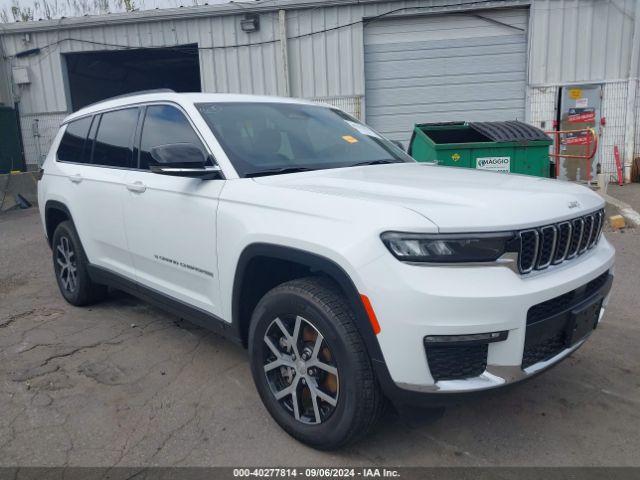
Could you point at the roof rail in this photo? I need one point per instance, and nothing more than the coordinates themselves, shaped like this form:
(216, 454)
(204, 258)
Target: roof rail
(131, 94)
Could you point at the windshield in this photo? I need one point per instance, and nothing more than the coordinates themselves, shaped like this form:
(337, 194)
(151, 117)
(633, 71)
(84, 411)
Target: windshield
(272, 138)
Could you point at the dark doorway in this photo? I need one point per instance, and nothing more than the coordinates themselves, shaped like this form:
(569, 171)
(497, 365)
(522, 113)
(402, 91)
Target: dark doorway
(94, 76)
(11, 158)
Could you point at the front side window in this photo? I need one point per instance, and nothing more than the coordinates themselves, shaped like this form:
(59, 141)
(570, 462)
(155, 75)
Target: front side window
(72, 147)
(164, 124)
(269, 138)
(113, 143)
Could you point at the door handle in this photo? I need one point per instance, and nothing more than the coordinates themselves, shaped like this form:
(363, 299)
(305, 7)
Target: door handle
(137, 187)
(77, 178)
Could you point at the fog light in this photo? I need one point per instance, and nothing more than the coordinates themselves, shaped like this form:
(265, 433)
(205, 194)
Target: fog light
(471, 339)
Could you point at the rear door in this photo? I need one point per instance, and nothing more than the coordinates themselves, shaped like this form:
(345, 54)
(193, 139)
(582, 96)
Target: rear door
(99, 189)
(171, 221)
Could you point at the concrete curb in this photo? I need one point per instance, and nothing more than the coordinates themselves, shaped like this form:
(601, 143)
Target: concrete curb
(630, 215)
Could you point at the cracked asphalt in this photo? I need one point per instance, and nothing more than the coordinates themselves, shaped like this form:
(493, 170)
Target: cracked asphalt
(123, 383)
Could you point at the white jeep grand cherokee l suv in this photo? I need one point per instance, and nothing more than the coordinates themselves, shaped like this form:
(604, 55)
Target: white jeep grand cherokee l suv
(351, 273)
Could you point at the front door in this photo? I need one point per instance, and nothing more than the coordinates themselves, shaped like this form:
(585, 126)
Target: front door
(171, 221)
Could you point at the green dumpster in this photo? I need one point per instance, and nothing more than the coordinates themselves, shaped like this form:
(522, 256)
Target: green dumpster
(512, 146)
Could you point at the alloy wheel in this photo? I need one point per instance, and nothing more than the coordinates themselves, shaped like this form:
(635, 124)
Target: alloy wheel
(300, 369)
(67, 269)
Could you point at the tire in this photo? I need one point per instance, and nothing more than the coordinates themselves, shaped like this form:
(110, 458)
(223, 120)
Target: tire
(71, 268)
(355, 396)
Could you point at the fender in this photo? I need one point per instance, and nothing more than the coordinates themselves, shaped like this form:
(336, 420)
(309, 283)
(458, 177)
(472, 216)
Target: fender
(54, 205)
(316, 263)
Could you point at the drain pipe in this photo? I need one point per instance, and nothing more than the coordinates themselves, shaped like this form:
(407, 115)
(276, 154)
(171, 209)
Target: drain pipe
(284, 54)
(35, 131)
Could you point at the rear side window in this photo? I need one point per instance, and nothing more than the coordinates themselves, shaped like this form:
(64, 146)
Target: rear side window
(164, 124)
(113, 143)
(72, 147)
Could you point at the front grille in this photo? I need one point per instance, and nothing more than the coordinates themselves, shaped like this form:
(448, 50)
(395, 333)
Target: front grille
(548, 236)
(553, 244)
(455, 362)
(566, 301)
(547, 322)
(577, 227)
(529, 240)
(595, 284)
(564, 239)
(544, 349)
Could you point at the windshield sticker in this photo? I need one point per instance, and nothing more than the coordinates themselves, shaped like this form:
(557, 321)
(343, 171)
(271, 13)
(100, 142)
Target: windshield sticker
(349, 139)
(363, 129)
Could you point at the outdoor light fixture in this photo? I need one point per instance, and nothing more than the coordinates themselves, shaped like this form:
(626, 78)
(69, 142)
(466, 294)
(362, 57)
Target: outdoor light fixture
(250, 23)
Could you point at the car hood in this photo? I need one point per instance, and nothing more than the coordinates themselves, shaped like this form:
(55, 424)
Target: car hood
(455, 199)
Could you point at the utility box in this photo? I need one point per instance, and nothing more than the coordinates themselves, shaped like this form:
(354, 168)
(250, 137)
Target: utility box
(508, 147)
(580, 108)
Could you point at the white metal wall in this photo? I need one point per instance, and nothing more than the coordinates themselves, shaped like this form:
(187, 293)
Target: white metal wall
(323, 66)
(571, 41)
(637, 117)
(576, 41)
(244, 69)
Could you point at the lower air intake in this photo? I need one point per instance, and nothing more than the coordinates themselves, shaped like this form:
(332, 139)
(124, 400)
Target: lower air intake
(449, 362)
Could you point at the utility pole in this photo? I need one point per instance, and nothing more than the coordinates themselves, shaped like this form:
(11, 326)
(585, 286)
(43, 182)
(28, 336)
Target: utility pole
(284, 54)
(632, 98)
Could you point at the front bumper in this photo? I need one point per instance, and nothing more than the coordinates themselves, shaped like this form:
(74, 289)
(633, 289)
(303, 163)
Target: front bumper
(412, 302)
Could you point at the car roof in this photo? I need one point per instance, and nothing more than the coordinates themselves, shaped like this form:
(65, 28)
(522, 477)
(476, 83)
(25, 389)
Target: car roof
(180, 98)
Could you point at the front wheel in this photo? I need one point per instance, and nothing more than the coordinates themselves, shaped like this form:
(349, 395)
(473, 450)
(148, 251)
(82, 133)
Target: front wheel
(310, 365)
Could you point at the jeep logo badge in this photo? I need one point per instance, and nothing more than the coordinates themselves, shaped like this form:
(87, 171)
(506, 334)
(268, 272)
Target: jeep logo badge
(574, 204)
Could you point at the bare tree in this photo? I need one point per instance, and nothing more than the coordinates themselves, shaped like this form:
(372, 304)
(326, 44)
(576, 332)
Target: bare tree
(17, 13)
(48, 9)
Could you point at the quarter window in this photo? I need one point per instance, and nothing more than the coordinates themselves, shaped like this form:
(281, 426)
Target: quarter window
(73, 144)
(164, 124)
(113, 144)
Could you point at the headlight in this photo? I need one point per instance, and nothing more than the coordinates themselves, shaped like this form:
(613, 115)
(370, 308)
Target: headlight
(455, 248)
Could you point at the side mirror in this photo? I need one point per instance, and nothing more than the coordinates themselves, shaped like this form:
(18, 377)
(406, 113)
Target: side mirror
(182, 160)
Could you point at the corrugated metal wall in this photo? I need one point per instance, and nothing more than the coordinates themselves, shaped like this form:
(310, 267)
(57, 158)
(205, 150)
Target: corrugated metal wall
(5, 71)
(571, 41)
(637, 129)
(321, 65)
(251, 69)
(326, 67)
(580, 40)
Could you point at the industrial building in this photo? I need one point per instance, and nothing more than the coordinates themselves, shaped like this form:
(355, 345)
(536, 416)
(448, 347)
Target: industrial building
(390, 63)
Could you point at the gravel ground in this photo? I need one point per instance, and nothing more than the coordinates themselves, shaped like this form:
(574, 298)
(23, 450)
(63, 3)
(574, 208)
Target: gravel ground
(123, 383)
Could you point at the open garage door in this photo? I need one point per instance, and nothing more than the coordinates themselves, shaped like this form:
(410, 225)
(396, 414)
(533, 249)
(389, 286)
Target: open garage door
(94, 76)
(442, 68)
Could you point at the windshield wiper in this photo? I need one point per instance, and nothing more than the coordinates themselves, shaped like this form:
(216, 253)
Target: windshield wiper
(375, 162)
(278, 171)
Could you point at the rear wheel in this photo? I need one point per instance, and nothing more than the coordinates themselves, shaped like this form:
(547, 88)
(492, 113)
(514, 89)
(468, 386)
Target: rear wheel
(70, 266)
(310, 365)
